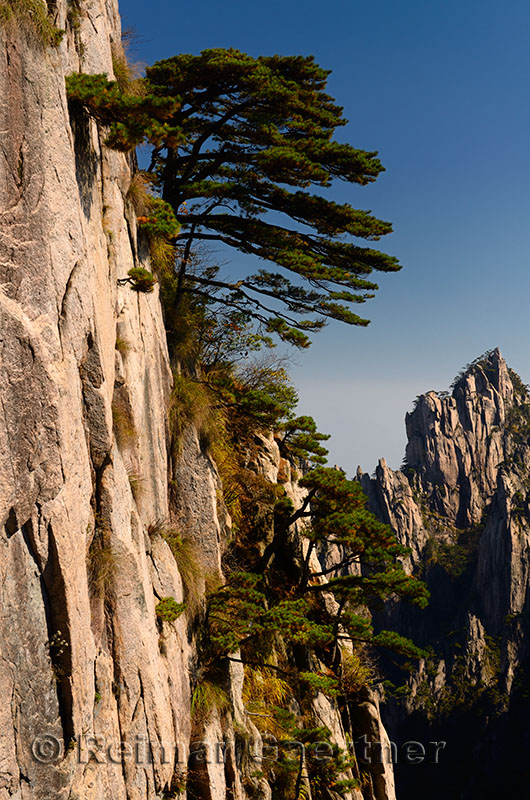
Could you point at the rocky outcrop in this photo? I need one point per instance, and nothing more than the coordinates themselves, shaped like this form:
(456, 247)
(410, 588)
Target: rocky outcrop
(461, 504)
(96, 690)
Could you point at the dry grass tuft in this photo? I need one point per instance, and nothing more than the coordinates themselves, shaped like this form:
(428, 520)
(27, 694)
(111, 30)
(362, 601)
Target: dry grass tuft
(185, 555)
(263, 691)
(123, 422)
(101, 563)
(128, 75)
(193, 403)
(136, 484)
(162, 254)
(138, 193)
(209, 695)
(33, 14)
(122, 345)
(358, 671)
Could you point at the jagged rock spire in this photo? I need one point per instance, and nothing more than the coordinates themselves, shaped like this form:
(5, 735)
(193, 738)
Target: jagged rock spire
(461, 502)
(456, 441)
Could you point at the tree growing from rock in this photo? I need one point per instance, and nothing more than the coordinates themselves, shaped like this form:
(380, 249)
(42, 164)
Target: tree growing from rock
(243, 151)
(268, 600)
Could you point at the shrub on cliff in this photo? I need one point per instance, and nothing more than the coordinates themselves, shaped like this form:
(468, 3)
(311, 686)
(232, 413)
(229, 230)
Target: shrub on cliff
(168, 610)
(141, 280)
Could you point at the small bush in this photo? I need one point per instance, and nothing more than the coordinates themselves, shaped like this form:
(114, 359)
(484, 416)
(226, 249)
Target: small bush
(169, 610)
(59, 656)
(33, 13)
(160, 220)
(358, 671)
(317, 682)
(141, 280)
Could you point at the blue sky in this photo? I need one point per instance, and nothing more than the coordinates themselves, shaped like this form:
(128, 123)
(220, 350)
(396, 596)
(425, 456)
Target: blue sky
(441, 90)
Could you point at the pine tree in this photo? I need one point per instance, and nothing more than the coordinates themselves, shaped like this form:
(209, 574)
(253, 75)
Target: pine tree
(257, 133)
(257, 604)
(243, 151)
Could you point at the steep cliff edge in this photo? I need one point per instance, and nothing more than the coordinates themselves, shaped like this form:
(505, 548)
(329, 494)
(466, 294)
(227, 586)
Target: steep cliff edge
(96, 688)
(68, 469)
(461, 503)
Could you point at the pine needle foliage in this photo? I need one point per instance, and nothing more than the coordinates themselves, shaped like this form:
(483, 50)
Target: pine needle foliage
(168, 610)
(238, 144)
(270, 600)
(129, 116)
(257, 134)
(141, 280)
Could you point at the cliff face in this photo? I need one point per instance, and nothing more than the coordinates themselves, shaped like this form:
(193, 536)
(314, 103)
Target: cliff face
(68, 669)
(461, 503)
(85, 667)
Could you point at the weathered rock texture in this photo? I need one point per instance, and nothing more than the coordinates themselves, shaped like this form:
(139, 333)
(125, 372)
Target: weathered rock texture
(83, 442)
(84, 466)
(461, 503)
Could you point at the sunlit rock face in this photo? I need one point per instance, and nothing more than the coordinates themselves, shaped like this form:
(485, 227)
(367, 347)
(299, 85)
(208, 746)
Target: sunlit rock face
(78, 660)
(461, 504)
